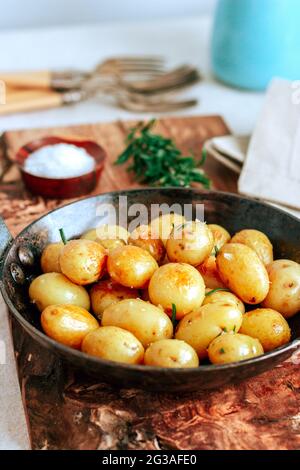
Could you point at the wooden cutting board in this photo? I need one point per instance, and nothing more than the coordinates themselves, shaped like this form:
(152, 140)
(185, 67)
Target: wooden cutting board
(66, 410)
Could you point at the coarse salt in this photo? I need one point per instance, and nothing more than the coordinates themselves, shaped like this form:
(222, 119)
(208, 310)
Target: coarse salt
(59, 161)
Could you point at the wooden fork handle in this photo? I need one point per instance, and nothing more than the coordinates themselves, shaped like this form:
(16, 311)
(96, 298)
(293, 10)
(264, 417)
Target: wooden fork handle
(26, 101)
(39, 79)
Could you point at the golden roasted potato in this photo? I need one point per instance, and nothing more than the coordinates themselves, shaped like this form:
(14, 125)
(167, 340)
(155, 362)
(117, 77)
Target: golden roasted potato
(83, 261)
(178, 284)
(200, 327)
(210, 273)
(243, 272)
(55, 288)
(144, 237)
(171, 353)
(257, 241)
(106, 231)
(68, 324)
(220, 234)
(107, 292)
(50, 258)
(164, 224)
(284, 293)
(223, 297)
(233, 347)
(114, 344)
(191, 243)
(131, 266)
(145, 321)
(110, 244)
(268, 326)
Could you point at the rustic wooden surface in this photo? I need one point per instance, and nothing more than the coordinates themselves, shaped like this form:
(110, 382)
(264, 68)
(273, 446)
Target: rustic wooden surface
(66, 410)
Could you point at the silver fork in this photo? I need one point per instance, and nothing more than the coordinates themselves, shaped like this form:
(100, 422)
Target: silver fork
(145, 66)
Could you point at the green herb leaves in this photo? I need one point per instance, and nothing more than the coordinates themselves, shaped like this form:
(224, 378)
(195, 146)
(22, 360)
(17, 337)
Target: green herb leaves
(174, 311)
(157, 161)
(62, 236)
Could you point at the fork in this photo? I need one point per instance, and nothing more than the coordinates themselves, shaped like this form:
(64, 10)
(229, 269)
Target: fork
(70, 79)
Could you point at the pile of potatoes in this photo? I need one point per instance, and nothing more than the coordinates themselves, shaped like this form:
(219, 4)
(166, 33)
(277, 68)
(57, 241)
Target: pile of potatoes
(169, 294)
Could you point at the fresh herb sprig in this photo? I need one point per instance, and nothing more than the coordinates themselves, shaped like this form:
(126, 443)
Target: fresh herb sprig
(63, 236)
(157, 161)
(174, 312)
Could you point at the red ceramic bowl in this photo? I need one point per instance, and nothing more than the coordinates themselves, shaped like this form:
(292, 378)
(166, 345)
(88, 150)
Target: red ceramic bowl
(62, 188)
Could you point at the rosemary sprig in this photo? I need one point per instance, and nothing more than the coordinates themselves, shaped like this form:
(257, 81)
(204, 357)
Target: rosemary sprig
(174, 311)
(157, 161)
(217, 290)
(63, 236)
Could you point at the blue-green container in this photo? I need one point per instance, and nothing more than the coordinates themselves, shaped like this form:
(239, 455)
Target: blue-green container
(255, 40)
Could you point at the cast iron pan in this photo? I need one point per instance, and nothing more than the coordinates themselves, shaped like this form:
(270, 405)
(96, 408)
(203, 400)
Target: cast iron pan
(20, 263)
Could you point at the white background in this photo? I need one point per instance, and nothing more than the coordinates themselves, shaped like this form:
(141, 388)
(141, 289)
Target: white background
(41, 13)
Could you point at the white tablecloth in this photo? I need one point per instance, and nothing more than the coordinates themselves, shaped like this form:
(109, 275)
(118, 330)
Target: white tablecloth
(181, 41)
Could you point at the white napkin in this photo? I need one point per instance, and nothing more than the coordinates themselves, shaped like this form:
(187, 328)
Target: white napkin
(272, 167)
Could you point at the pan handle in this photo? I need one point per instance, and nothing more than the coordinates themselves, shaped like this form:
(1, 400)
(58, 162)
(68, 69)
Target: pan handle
(5, 241)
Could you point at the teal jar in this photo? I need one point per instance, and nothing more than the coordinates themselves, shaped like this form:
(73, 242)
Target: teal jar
(255, 40)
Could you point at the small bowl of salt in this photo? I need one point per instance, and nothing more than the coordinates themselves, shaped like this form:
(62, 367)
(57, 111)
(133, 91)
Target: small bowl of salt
(61, 168)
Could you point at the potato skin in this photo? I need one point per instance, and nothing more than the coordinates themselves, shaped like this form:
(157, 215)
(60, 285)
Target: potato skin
(243, 272)
(164, 224)
(50, 258)
(144, 238)
(233, 348)
(190, 243)
(107, 292)
(179, 284)
(225, 298)
(171, 353)
(145, 321)
(284, 293)
(55, 288)
(258, 242)
(68, 324)
(131, 266)
(268, 326)
(106, 231)
(83, 261)
(201, 327)
(210, 273)
(220, 234)
(114, 344)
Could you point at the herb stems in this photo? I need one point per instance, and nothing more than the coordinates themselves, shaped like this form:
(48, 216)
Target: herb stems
(157, 161)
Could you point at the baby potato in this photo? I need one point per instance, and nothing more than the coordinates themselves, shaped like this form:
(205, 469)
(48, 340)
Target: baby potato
(233, 348)
(200, 327)
(68, 324)
(55, 288)
(83, 261)
(171, 353)
(105, 231)
(164, 224)
(223, 297)
(259, 243)
(243, 272)
(107, 292)
(131, 266)
(178, 284)
(190, 243)
(144, 237)
(110, 244)
(220, 234)
(114, 344)
(268, 326)
(50, 258)
(210, 273)
(284, 293)
(145, 321)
